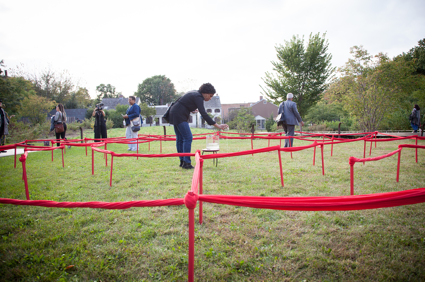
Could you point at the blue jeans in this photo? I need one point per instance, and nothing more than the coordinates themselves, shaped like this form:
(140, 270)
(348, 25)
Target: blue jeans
(414, 126)
(183, 140)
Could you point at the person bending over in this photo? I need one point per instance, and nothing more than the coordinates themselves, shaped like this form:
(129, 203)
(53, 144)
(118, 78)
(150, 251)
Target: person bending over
(180, 113)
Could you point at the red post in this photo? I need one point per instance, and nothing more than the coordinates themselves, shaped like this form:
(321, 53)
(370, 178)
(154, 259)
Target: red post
(416, 138)
(252, 144)
(52, 154)
(15, 156)
(269, 141)
(314, 155)
(24, 177)
(160, 145)
(376, 133)
(290, 145)
(191, 258)
(332, 146)
(112, 165)
(137, 148)
(352, 179)
(280, 139)
(281, 171)
(323, 161)
(201, 191)
(63, 163)
(364, 150)
(370, 151)
(398, 166)
(85, 141)
(92, 161)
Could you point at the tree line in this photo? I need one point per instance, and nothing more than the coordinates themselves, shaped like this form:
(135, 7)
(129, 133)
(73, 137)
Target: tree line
(368, 93)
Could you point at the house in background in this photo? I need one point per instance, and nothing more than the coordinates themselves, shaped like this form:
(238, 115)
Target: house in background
(111, 103)
(72, 115)
(262, 110)
(195, 119)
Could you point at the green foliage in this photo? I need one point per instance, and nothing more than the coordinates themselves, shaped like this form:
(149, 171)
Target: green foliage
(324, 111)
(269, 123)
(36, 108)
(78, 99)
(243, 120)
(416, 54)
(106, 91)
(147, 111)
(301, 71)
(156, 90)
(371, 89)
(109, 124)
(116, 115)
(20, 131)
(12, 91)
(52, 85)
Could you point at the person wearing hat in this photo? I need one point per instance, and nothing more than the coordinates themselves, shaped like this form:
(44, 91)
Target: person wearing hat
(4, 121)
(292, 119)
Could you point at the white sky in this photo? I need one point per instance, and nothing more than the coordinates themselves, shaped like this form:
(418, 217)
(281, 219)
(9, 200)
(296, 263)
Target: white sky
(227, 43)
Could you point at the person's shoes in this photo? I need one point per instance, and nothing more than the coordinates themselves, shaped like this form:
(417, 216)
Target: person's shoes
(128, 149)
(181, 163)
(3, 151)
(187, 165)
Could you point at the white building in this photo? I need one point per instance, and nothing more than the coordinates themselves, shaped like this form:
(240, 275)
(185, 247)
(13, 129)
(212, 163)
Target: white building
(212, 107)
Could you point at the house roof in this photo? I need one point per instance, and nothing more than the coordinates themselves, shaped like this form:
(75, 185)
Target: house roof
(258, 117)
(213, 103)
(161, 109)
(76, 113)
(111, 103)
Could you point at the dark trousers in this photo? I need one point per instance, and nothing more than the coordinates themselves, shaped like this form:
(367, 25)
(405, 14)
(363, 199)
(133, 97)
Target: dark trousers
(61, 135)
(183, 140)
(289, 131)
(100, 132)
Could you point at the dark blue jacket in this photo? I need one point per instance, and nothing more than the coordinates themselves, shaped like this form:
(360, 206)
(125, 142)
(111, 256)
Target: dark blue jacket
(132, 112)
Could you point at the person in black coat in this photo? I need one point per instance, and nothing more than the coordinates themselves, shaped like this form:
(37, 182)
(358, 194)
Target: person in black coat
(180, 113)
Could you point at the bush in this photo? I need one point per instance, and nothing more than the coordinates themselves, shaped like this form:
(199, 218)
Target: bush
(20, 131)
(109, 124)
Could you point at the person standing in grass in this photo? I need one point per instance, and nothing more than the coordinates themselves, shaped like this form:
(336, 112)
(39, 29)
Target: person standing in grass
(4, 121)
(60, 118)
(415, 118)
(133, 112)
(292, 118)
(179, 115)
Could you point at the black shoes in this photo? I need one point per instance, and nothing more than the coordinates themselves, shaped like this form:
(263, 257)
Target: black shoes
(181, 163)
(187, 166)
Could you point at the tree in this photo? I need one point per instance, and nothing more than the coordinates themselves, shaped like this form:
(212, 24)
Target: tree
(371, 88)
(416, 54)
(36, 108)
(106, 91)
(78, 99)
(147, 111)
(304, 72)
(156, 90)
(13, 90)
(51, 85)
(243, 120)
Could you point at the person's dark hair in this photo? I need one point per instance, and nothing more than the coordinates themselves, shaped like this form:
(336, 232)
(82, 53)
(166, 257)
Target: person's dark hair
(62, 109)
(207, 88)
(132, 97)
(417, 107)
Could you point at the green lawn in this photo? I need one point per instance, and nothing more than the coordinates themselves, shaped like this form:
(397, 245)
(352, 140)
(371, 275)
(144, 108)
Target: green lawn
(233, 243)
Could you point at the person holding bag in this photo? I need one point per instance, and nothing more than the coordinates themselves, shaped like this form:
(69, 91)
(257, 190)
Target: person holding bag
(132, 114)
(60, 122)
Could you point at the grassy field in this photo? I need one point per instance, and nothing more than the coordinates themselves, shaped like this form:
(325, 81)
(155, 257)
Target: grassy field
(233, 243)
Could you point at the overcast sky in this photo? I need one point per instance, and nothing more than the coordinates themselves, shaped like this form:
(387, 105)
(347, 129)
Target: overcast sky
(227, 43)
